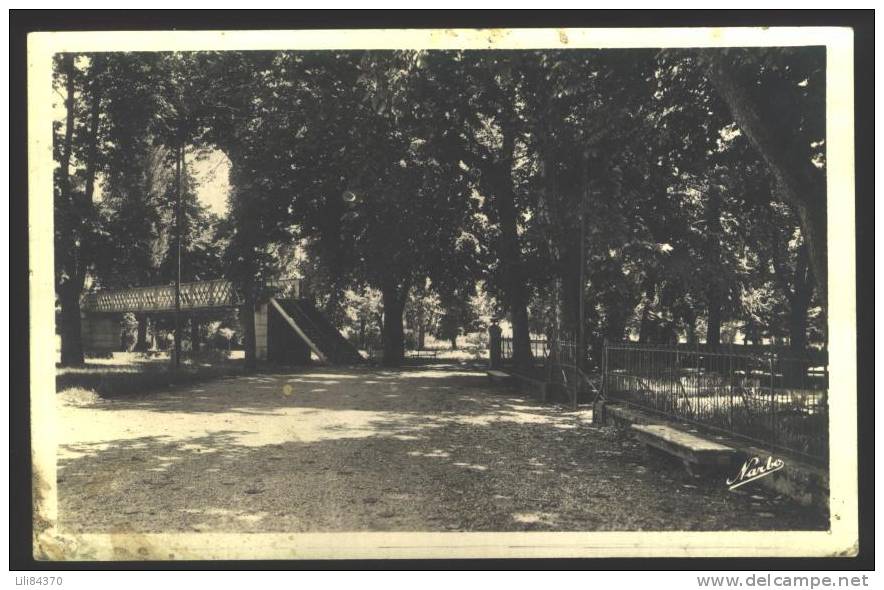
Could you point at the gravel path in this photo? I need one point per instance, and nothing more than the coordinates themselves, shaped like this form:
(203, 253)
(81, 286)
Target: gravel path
(435, 448)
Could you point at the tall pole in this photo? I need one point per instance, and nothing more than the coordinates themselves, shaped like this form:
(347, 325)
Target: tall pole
(178, 158)
(579, 345)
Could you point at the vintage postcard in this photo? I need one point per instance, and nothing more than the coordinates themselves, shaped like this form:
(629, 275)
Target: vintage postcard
(442, 293)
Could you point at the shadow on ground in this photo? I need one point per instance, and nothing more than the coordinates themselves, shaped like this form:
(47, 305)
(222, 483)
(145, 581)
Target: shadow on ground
(433, 448)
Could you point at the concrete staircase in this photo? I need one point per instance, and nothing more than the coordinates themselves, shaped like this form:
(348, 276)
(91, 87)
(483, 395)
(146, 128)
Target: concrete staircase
(317, 331)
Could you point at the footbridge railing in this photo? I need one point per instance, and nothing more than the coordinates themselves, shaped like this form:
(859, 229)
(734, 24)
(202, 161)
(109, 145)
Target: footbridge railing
(197, 295)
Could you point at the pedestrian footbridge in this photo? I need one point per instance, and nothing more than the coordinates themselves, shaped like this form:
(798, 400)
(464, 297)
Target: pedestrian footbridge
(288, 327)
(195, 296)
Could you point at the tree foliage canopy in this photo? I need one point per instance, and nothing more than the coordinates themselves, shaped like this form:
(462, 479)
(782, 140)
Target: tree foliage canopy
(696, 179)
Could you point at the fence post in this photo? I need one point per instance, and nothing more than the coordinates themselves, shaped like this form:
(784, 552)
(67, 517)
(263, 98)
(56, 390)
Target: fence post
(574, 356)
(773, 414)
(604, 385)
(494, 356)
(730, 392)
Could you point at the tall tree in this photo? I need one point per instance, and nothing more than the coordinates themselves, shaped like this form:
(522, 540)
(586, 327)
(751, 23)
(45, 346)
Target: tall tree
(488, 139)
(76, 221)
(459, 168)
(586, 112)
(244, 117)
(777, 97)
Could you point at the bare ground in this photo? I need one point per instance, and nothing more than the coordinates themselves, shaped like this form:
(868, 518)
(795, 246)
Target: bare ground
(433, 448)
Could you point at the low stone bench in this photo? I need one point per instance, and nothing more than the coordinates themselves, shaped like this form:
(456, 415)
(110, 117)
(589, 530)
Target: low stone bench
(499, 376)
(697, 454)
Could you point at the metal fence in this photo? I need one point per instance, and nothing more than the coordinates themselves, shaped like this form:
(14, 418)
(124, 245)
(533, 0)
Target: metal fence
(769, 399)
(563, 369)
(539, 350)
(554, 362)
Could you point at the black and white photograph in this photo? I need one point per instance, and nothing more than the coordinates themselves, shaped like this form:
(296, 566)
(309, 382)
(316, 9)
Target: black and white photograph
(460, 293)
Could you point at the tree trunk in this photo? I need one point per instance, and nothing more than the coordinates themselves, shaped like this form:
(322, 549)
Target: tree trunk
(361, 333)
(194, 335)
(646, 327)
(497, 182)
(798, 328)
(796, 368)
(509, 251)
(800, 183)
(799, 303)
(245, 269)
(798, 293)
(393, 332)
(94, 120)
(66, 150)
(521, 330)
(72, 353)
(716, 287)
(75, 257)
(247, 317)
(71, 328)
(615, 325)
(421, 334)
(454, 342)
(713, 318)
(570, 292)
(690, 319)
(332, 305)
(141, 333)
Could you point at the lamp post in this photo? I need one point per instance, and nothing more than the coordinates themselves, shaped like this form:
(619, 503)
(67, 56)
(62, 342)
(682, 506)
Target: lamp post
(580, 340)
(178, 157)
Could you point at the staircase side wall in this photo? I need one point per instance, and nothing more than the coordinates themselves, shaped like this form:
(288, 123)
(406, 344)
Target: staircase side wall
(284, 345)
(261, 332)
(343, 347)
(101, 333)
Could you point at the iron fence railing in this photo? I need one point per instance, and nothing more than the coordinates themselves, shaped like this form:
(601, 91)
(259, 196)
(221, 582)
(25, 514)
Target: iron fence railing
(561, 368)
(770, 399)
(539, 350)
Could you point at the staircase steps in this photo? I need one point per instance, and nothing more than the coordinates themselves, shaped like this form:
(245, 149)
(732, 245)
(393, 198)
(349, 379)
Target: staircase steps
(322, 336)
